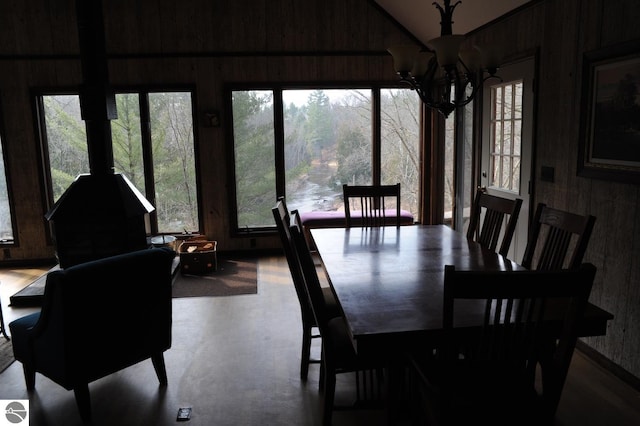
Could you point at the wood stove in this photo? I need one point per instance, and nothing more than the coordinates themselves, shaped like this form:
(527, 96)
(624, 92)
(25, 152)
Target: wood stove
(99, 216)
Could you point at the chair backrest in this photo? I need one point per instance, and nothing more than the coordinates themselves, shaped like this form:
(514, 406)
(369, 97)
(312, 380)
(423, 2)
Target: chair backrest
(366, 205)
(492, 211)
(310, 274)
(521, 318)
(553, 235)
(282, 218)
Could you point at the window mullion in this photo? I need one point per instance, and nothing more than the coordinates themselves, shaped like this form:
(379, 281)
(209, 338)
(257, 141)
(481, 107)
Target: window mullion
(278, 124)
(147, 157)
(512, 139)
(376, 137)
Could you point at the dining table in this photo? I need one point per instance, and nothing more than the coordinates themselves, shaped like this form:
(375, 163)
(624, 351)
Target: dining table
(389, 282)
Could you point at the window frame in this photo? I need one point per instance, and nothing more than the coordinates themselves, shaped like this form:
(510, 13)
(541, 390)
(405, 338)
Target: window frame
(279, 139)
(142, 91)
(14, 242)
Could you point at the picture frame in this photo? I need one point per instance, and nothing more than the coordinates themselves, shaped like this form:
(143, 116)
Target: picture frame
(609, 145)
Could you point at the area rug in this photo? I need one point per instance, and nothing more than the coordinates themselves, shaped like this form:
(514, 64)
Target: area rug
(232, 277)
(6, 354)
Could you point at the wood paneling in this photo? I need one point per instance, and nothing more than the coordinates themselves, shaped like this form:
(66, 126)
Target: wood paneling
(203, 43)
(562, 31)
(42, 27)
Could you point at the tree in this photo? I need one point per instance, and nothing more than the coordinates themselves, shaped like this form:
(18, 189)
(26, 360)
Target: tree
(319, 128)
(127, 140)
(354, 155)
(297, 152)
(174, 160)
(67, 141)
(400, 156)
(254, 156)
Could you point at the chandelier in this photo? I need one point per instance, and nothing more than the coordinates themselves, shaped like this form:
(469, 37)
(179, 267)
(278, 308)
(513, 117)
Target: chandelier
(445, 77)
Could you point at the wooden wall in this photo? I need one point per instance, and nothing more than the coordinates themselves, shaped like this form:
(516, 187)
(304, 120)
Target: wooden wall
(562, 31)
(209, 43)
(200, 42)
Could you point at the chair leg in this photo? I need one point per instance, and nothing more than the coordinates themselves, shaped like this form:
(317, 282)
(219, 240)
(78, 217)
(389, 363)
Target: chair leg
(29, 376)
(322, 368)
(329, 396)
(159, 366)
(83, 401)
(306, 351)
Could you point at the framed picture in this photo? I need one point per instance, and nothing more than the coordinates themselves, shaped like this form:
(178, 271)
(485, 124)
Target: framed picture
(609, 146)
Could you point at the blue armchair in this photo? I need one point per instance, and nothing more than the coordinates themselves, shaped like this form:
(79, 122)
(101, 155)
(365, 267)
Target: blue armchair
(97, 318)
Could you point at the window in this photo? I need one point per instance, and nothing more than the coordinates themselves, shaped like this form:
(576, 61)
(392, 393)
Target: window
(450, 167)
(400, 144)
(458, 161)
(160, 162)
(254, 150)
(506, 131)
(327, 143)
(306, 143)
(156, 154)
(6, 215)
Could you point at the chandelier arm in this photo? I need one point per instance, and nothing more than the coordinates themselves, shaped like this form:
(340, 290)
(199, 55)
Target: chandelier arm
(424, 84)
(462, 81)
(428, 102)
(426, 95)
(417, 87)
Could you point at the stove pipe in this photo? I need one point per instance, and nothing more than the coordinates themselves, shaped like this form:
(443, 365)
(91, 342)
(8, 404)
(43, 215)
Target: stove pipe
(101, 213)
(97, 98)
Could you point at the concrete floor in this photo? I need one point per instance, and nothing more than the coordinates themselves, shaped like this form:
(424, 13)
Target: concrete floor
(235, 360)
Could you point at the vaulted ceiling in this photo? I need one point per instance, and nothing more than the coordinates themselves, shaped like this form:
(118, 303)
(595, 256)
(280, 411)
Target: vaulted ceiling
(422, 19)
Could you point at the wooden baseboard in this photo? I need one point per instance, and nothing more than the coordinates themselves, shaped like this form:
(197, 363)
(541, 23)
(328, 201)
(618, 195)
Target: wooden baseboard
(609, 365)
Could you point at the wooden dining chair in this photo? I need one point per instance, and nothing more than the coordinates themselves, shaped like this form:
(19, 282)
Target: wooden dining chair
(553, 235)
(309, 325)
(481, 373)
(338, 352)
(498, 215)
(366, 205)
